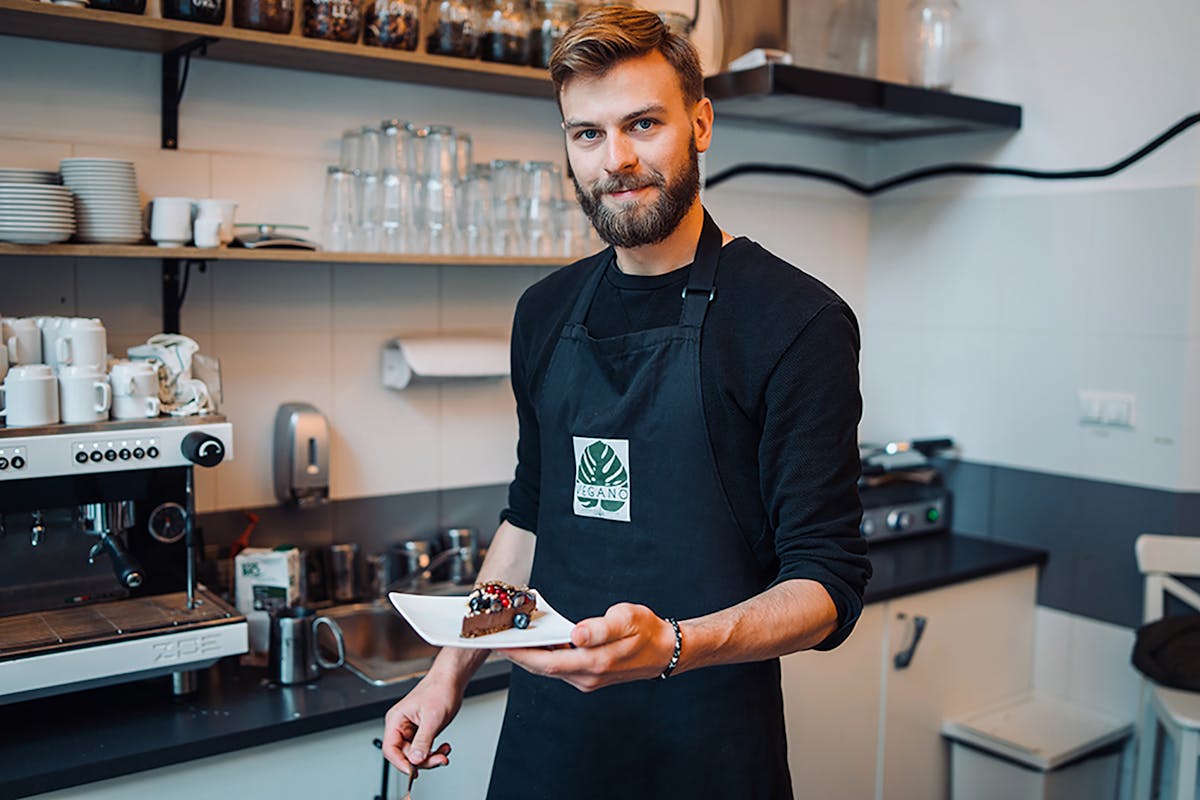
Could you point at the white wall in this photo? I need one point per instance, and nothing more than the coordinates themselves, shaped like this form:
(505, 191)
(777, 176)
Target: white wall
(313, 332)
(992, 300)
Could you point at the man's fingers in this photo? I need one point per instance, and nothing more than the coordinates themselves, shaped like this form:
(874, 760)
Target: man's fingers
(422, 740)
(618, 622)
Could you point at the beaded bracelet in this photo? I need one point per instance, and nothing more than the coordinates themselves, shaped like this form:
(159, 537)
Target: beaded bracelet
(666, 673)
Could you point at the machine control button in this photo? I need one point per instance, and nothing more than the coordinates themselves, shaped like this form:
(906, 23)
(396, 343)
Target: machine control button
(899, 520)
(151, 452)
(139, 452)
(203, 449)
(17, 462)
(3, 462)
(867, 527)
(125, 455)
(97, 455)
(110, 455)
(81, 457)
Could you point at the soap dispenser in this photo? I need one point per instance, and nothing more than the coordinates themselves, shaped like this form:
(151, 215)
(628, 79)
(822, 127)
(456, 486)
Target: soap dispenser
(301, 455)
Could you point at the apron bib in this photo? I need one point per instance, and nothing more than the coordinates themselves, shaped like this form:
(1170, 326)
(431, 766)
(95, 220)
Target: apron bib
(632, 510)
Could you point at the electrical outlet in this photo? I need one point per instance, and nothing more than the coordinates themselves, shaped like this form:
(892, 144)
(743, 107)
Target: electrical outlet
(1110, 409)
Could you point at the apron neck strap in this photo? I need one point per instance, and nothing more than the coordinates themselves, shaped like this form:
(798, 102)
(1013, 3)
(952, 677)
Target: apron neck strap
(702, 283)
(700, 289)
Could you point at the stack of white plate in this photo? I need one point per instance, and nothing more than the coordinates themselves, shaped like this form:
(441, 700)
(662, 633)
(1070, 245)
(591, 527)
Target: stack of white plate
(106, 199)
(14, 175)
(36, 213)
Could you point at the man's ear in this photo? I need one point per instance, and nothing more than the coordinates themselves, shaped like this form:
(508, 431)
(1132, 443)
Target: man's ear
(702, 124)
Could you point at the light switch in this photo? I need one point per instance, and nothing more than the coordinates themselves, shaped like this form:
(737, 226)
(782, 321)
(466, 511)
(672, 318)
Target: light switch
(1107, 408)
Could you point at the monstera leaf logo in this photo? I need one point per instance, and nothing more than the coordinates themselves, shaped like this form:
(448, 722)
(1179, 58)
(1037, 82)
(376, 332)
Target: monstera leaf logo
(601, 466)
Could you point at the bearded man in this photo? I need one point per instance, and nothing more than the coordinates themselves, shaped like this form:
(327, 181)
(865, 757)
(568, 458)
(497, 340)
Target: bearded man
(686, 483)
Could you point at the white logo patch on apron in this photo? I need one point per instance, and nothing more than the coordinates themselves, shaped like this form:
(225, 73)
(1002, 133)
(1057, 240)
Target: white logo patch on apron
(601, 478)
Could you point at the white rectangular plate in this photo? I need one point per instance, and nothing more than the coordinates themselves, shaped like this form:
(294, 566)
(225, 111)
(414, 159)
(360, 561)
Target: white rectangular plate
(438, 620)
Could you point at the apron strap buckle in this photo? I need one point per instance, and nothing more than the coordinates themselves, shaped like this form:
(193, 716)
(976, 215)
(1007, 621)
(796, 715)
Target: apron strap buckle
(711, 292)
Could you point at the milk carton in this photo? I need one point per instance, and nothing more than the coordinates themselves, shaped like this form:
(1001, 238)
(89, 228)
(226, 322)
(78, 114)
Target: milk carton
(264, 580)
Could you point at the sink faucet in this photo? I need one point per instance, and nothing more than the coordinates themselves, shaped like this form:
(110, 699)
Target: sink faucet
(420, 581)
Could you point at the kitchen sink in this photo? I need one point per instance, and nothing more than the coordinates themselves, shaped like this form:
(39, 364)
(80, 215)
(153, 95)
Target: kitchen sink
(381, 647)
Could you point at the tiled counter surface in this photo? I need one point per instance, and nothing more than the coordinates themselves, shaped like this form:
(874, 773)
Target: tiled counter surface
(64, 741)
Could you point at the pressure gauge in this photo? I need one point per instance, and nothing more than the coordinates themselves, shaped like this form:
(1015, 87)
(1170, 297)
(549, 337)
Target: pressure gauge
(168, 523)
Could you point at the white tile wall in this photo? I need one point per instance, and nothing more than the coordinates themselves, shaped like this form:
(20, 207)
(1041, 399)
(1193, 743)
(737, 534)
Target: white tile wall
(1005, 307)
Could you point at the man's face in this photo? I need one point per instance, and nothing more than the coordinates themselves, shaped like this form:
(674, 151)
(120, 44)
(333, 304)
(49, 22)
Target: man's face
(633, 143)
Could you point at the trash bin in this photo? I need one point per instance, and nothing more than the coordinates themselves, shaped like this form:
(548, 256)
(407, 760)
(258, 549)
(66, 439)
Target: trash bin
(1035, 748)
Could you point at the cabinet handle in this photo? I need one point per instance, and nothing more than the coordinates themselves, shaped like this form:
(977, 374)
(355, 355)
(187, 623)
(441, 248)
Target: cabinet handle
(905, 656)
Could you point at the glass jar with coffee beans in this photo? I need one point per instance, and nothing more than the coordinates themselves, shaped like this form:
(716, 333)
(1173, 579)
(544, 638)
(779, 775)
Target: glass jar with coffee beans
(451, 28)
(551, 18)
(506, 29)
(391, 23)
(335, 20)
(273, 16)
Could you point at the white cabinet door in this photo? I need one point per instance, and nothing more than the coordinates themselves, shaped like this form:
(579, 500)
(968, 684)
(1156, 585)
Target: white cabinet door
(338, 763)
(976, 650)
(831, 703)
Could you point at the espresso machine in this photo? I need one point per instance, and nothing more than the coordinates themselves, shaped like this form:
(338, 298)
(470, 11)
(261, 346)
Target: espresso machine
(98, 552)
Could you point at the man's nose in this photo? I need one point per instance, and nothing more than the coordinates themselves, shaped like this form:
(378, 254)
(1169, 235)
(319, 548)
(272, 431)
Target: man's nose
(620, 156)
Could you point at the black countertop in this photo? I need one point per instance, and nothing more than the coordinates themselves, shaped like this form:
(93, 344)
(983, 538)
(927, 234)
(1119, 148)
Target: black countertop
(57, 742)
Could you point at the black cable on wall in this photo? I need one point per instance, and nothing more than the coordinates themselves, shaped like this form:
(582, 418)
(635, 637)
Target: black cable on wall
(944, 170)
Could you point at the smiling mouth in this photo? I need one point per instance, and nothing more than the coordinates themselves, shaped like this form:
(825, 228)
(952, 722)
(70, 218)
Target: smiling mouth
(626, 194)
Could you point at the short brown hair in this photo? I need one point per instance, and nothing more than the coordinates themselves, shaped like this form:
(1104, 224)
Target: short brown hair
(603, 38)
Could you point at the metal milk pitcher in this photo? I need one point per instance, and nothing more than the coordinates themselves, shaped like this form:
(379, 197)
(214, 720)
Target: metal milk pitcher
(294, 656)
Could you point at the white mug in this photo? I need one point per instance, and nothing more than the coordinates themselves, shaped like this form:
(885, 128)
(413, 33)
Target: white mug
(84, 393)
(171, 221)
(223, 210)
(82, 342)
(51, 328)
(207, 231)
(29, 396)
(132, 378)
(23, 340)
(134, 406)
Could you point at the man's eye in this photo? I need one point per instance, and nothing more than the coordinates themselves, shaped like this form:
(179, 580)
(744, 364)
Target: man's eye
(589, 135)
(644, 124)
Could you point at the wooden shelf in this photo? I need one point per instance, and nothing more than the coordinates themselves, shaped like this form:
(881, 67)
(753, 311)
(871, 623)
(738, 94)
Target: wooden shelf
(37, 20)
(148, 252)
(847, 106)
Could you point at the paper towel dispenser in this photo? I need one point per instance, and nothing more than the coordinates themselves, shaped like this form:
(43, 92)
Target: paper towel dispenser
(448, 357)
(301, 455)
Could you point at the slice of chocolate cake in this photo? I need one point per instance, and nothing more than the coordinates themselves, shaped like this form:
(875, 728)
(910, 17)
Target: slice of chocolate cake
(497, 606)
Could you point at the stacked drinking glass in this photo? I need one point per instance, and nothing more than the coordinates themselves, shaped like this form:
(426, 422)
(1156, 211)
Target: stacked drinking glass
(399, 188)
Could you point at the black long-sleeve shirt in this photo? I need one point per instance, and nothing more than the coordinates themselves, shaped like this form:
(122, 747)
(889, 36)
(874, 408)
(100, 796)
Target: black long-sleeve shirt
(779, 382)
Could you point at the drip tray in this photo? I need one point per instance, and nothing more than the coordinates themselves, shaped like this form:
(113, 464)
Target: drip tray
(41, 631)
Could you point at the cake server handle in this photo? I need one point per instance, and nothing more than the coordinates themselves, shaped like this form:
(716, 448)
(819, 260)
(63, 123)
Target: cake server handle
(412, 776)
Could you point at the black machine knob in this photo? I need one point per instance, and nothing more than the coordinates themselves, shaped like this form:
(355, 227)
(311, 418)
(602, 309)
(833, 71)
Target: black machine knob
(18, 462)
(110, 455)
(81, 457)
(3, 462)
(139, 452)
(203, 449)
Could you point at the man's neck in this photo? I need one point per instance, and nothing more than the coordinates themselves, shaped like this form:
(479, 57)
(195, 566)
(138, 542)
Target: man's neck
(675, 251)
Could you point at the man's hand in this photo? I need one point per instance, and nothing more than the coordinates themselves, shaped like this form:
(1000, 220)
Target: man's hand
(411, 725)
(628, 643)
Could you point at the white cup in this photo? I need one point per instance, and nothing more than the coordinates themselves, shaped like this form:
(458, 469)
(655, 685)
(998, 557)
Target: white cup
(84, 393)
(135, 406)
(171, 221)
(82, 342)
(207, 231)
(51, 328)
(23, 339)
(29, 396)
(223, 210)
(133, 378)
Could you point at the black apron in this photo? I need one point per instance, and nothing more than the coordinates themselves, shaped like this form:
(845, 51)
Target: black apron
(632, 510)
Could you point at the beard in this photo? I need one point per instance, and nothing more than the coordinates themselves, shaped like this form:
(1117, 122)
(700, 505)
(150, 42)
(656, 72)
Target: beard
(634, 225)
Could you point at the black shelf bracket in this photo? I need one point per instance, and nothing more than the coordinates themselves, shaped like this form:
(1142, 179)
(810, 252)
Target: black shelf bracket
(175, 64)
(175, 275)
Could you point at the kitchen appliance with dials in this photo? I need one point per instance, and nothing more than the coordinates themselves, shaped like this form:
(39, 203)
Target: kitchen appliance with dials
(98, 555)
(903, 493)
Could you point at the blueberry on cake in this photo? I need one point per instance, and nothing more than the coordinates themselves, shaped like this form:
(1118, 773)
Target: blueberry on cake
(497, 606)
